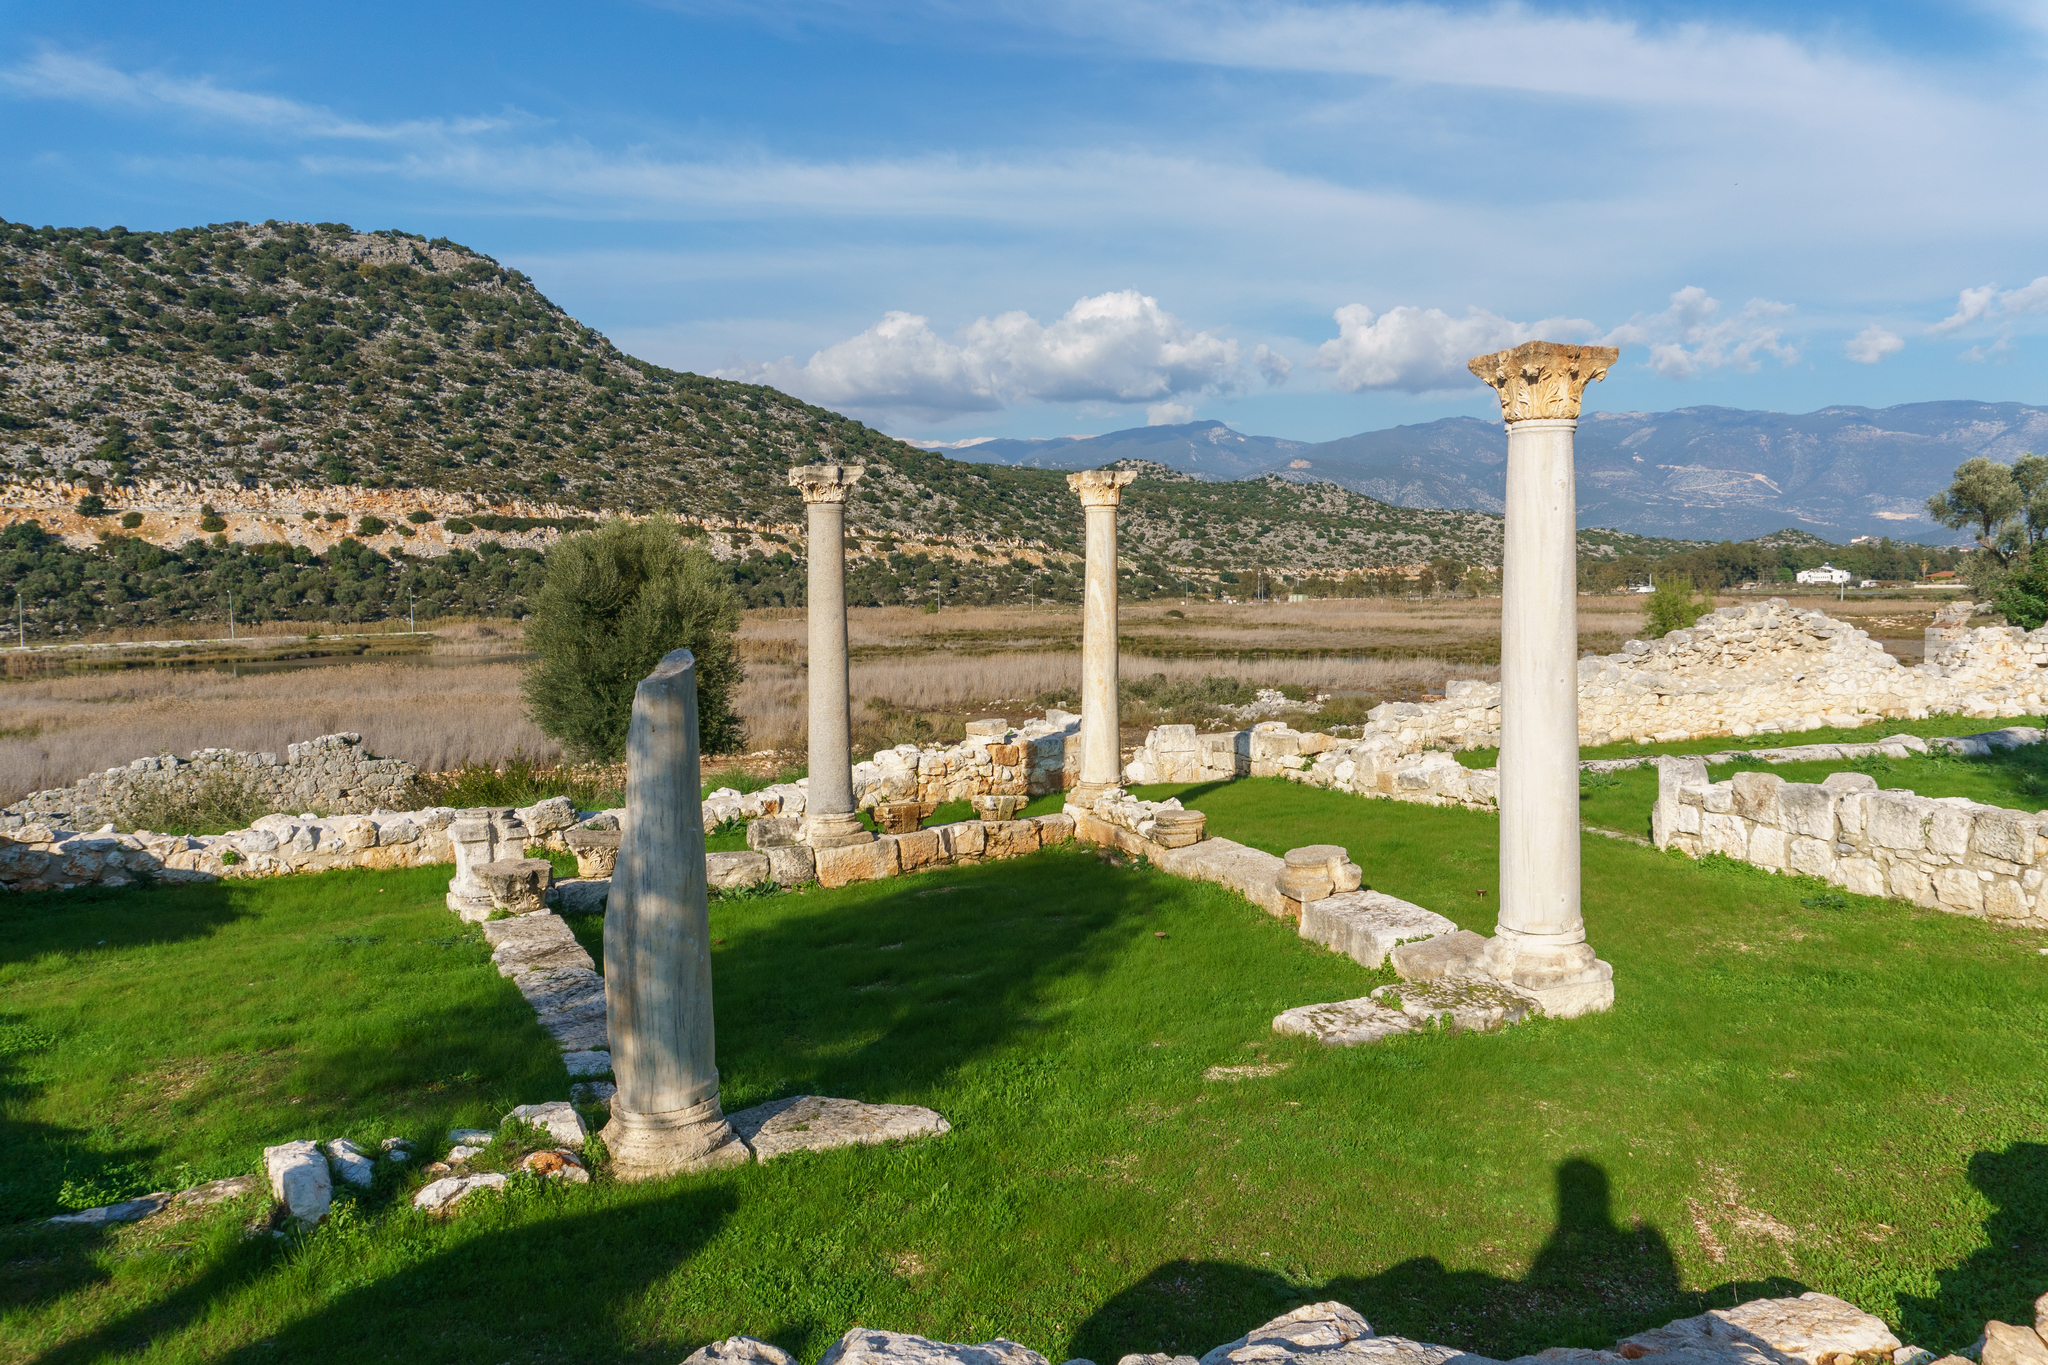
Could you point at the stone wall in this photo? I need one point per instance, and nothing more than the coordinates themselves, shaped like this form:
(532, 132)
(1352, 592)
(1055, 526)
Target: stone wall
(333, 774)
(1949, 853)
(1375, 764)
(1761, 668)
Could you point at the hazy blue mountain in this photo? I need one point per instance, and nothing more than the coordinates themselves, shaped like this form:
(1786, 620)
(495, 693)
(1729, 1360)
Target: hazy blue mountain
(1705, 472)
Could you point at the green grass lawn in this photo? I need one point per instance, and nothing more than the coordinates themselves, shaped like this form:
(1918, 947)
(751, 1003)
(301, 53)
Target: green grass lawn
(1714, 744)
(1796, 1089)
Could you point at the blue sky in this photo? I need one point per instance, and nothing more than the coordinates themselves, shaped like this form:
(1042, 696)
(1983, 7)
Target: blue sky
(961, 220)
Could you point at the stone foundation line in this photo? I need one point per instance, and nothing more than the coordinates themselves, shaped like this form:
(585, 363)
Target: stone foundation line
(1813, 1329)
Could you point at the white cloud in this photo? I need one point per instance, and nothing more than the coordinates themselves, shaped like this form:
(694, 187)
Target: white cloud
(1120, 347)
(1424, 350)
(1871, 345)
(1168, 414)
(1988, 303)
(57, 75)
(1691, 335)
(1272, 366)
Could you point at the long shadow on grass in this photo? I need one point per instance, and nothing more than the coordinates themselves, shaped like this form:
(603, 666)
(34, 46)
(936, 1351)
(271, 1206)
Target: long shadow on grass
(2001, 1280)
(1592, 1282)
(111, 917)
(513, 1284)
(887, 992)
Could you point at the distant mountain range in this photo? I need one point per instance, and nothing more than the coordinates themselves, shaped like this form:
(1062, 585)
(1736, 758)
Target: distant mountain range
(1698, 473)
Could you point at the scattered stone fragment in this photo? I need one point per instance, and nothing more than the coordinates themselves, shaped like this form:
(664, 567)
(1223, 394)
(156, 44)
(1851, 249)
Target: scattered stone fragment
(464, 1151)
(2005, 1344)
(477, 1137)
(127, 1211)
(1810, 1328)
(1465, 1003)
(1243, 1073)
(396, 1149)
(436, 1168)
(740, 1351)
(863, 1346)
(581, 895)
(588, 1063)
(1460, 953)
(351, 1163)
(1344, 1023)
(816, 1123)
(446, 1192)
(1311, 1328)
(559, 1164)
(559, 1117)
(299, 1179)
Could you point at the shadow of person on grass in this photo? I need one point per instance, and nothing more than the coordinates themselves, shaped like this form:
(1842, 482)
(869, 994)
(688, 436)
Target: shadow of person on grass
(2002, 1279)
(1592, 1283)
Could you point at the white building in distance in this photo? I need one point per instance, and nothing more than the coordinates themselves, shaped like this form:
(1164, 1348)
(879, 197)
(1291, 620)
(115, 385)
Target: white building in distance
(1826, 573)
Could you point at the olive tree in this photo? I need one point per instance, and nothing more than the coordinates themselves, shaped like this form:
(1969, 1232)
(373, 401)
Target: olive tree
(614, 601)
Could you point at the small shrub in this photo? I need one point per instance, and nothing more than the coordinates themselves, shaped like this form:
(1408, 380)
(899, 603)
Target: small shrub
(219, 803)
(371, 526)
(1177, 615)
(757, 891)
(212, 523)
(419, 518)
(230, 858)
(92, 505)
(1674, 606)
(130, 520)
(456, 526)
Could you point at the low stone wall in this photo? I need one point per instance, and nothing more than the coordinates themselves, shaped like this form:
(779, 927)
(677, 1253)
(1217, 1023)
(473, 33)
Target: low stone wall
(1949, 853)
(333, 774)
(1375, 765)
(1761, 668)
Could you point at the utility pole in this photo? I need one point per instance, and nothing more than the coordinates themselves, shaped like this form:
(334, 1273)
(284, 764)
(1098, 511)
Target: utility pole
(231, 616)
(411, 627)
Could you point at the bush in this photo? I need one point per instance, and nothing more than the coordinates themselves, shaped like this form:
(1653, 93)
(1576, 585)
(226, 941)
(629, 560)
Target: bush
(371, 526)
(92, 505)
(210, 522)
(419, 518)
(1674, 606)
(614, 601)
(131, 520)
(456, 526)
(216, 805)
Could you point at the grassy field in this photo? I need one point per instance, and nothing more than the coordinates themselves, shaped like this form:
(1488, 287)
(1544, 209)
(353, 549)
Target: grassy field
(1795, 1090)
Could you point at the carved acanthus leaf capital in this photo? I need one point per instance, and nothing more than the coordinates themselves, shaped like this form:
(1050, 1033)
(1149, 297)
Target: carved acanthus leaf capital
(1543, 379)
(825, 482)
(1101, 487)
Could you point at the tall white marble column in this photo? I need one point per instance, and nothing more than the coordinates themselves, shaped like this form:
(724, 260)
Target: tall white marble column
(1101, 491)
(1540, 940)
(657, 948)
(830, 820)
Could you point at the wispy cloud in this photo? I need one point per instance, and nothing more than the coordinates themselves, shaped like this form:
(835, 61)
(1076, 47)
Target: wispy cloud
(1989, 304)
(1691, 336)
(1872, 344)
(53, 74)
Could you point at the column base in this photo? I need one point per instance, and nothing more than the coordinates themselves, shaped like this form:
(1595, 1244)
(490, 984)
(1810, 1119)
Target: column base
(1086, 794)
(839, 830)
(471, 909)
(1565, 978)
(650, 1146)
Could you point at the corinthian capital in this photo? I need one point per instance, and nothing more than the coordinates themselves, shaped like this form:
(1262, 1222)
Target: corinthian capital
(1543, 378)
(825, 482)
(1101, 487)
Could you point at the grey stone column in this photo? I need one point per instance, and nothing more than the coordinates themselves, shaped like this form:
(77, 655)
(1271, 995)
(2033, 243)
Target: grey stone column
(1540, 940)
(830, 818)
(1101, 490)
(657, 948)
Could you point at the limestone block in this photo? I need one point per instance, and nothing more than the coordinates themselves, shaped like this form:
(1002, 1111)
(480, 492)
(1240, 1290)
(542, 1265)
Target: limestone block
(1010, 838)
(729, 871)
(1808, 810)
(351, 1163)
(1948, 832)
(446, 1192)
(568, 1003)
(1852, 811)
(1674, 775)
(2005, 1344)
(1724, 834)
(815, 1123)
(588, 1063)
(1756, 797)
(1811, 857)
(1958, 889)
(2004, 900)
(966, 840)
(299, 1179)
(1469, 1004)
(548, 816)
(1006, 755)
(740, 1351)
(1808, 1329)
(1718, 799)
(518, 885)
(866, 1346)
(994, 808)
(559, 1117)
(1310, 1329)
(1366, 926)
(534, 943)
(1058, 828)
(1457, 953)
(1843, 783)
(2005, 834)
(771, 831)
(863, 862)
(1898, 820)
(1906, 881)
(1767, 847)
(1689, 818)
(919, 850)
(580, 896)
(1344, 1023)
